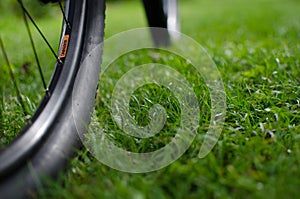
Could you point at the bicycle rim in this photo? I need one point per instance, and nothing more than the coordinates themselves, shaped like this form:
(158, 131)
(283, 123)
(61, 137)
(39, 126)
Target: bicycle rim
(44, 146)
(162, 14)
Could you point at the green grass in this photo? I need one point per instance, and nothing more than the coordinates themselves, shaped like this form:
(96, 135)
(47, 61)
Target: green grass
(256, 47)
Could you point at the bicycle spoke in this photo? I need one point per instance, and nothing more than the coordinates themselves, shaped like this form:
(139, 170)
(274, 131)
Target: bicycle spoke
(19, 96)
(40, 32)
(64, 15)
(35, 55)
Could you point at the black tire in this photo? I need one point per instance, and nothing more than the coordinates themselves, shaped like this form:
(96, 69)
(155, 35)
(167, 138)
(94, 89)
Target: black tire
(44, 146)
(162, 14)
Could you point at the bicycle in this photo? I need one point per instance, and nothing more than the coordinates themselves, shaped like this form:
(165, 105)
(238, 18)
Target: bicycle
(49, 137)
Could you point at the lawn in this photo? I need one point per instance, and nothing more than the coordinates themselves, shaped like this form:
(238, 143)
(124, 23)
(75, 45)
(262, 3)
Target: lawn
(256, 47)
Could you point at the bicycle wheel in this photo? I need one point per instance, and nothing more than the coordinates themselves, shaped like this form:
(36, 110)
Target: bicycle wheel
(162, 14)
(44, 145)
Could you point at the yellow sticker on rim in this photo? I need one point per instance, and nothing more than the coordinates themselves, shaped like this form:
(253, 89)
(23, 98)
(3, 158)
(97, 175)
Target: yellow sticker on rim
(64, 47)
